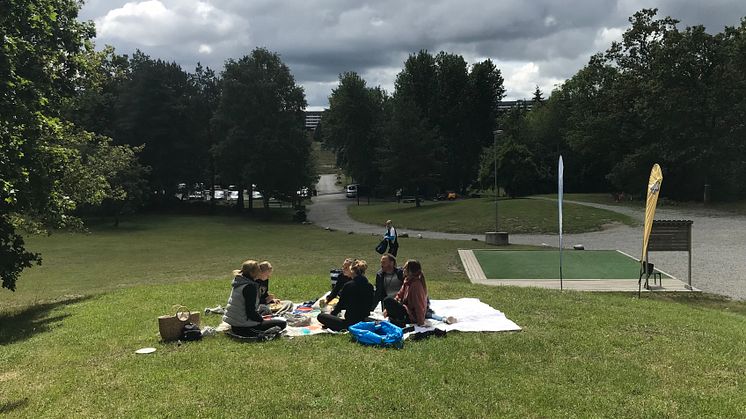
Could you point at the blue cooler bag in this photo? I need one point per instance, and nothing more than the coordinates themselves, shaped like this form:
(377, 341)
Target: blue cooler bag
(380, 333)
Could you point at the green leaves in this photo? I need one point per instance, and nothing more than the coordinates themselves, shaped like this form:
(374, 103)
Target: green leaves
(259, 123)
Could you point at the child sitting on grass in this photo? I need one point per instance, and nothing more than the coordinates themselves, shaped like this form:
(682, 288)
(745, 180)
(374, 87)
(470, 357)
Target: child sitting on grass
(268, 303)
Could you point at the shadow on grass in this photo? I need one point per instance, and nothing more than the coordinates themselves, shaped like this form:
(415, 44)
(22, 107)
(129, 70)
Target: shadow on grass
(25, 323)
(11, 406)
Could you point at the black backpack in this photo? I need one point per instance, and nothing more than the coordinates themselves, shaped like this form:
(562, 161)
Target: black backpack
(190, 331)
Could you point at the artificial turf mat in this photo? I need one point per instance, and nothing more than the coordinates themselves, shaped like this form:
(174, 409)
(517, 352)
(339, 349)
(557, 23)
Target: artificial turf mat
(544, 264)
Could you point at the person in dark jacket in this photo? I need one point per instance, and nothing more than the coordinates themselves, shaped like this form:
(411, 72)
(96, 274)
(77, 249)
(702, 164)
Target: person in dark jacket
(355, 298)
(410, 303)
(241, 312)
(342, 280)
(388, 280)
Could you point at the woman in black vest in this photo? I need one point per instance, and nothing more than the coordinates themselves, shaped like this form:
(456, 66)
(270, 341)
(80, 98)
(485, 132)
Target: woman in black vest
(241, 311)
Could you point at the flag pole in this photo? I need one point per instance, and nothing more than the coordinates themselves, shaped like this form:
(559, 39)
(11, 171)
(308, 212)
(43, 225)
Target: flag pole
(560, 187)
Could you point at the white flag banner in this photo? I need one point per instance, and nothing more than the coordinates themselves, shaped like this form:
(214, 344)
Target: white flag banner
(560, 187)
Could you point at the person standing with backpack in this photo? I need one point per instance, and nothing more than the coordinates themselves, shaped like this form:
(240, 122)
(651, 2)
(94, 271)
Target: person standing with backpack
(391, 238)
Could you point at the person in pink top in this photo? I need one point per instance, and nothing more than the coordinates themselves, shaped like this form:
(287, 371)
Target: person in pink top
(410, 303)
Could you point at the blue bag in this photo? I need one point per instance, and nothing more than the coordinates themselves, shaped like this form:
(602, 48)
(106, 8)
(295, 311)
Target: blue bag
(380, 333)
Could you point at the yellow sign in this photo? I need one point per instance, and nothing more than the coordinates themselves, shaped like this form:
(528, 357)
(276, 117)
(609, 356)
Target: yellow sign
(654, 186)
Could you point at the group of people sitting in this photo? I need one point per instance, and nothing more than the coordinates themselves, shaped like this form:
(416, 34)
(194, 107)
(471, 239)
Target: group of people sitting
(402, 293)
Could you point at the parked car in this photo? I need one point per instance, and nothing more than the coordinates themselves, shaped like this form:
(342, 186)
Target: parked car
(232, 194)
(303, 192)
(219, 192)
(255, 194)
(352, 190)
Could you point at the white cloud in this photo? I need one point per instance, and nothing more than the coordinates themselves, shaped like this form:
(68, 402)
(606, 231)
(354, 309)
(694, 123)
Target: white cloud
(522, 78)
(606, 36)
(173, 23)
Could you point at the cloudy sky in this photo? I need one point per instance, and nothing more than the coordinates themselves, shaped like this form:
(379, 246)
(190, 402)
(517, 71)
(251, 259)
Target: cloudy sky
(536, 42)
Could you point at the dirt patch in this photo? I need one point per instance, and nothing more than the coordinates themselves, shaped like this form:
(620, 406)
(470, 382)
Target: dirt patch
(10, 375)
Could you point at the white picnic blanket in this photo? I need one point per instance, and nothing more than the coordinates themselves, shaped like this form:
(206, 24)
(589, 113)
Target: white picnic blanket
(472, 315)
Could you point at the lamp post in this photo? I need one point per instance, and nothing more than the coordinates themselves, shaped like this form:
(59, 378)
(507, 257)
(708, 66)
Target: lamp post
(497, 237)
(495, 134)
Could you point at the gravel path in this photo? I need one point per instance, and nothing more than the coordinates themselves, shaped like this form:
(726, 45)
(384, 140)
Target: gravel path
(718, 239)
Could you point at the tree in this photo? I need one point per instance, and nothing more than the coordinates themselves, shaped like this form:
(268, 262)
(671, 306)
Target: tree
(459, 104)
(352, 127)
(484, 94)
(92, 108)
(260, 125)
(154, 109)
(203, 102)
(126, 188)
(538, 98)
(40, 68)
(517, 170)
(413, 153)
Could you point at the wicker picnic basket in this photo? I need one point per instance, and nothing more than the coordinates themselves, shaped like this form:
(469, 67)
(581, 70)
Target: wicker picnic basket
(170, 326)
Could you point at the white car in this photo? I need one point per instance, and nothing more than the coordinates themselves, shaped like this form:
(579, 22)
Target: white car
(351, 191)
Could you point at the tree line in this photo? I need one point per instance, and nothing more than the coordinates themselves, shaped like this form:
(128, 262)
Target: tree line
(425, 137)
(663, 95)
(86, 130)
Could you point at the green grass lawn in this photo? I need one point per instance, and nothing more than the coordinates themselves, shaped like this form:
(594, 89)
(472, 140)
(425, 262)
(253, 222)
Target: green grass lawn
(737, 207)
(579, 355)
(478, 215)
(169, 249)
(544, 264)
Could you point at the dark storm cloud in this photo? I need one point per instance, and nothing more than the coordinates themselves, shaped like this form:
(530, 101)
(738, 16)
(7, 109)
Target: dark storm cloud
(534, 43)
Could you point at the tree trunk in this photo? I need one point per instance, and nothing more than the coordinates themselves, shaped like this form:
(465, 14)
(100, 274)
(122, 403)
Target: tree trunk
(251, 197)
(212, 180)
(239, 201)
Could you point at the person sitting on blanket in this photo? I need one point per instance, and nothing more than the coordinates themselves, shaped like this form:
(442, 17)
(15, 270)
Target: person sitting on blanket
(342, 280)
(410, 303)
(388, 280)
(268, 303)
(355, 298)
(241, 312)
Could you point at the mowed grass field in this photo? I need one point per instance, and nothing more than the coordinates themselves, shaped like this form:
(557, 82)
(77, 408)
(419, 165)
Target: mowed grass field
(579, 355)
(477, 215)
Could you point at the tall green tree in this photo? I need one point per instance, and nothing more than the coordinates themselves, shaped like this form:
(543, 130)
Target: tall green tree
(93, 107)
(154, 110)
(459, 104)
(260, 124)
(203, 102)
(43, 173)
(412, 155)
(352, 127)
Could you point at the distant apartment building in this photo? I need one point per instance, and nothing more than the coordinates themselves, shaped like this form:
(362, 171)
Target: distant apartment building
(506, 105)
(313, 118)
